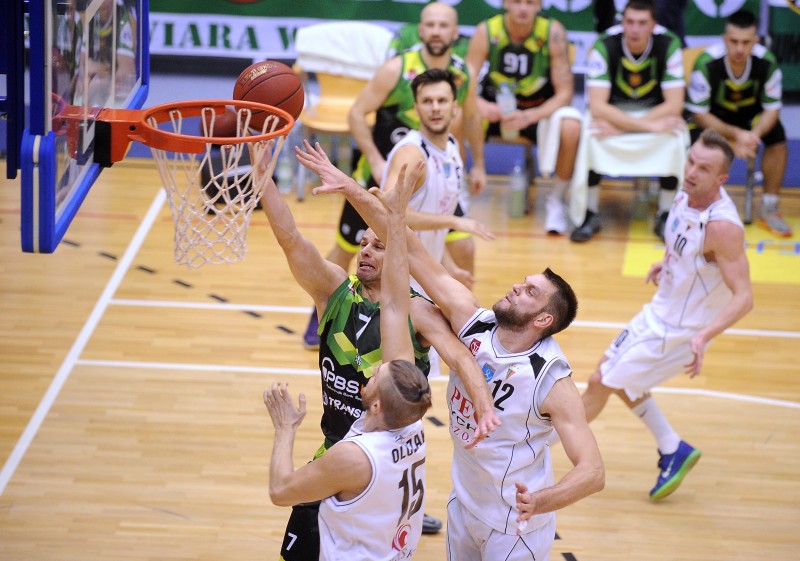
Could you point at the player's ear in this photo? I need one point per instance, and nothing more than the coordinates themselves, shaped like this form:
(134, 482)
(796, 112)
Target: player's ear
(543, 320)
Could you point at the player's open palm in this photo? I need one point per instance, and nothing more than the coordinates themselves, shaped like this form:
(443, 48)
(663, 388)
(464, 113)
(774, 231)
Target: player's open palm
(315, 159)
(395, 200)
(282, 410)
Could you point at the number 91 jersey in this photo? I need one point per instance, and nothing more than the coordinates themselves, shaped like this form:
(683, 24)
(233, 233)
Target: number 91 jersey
(484, 476)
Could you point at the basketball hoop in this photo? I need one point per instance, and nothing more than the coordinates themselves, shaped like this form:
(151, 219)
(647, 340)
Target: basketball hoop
(211, 197)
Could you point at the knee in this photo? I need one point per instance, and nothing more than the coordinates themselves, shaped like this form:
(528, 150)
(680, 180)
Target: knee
(570, 131)
(595, 382)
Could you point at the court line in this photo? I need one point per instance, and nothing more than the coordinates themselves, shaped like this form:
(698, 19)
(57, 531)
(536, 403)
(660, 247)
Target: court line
(315, 372)
(771, 333)
(86, 332)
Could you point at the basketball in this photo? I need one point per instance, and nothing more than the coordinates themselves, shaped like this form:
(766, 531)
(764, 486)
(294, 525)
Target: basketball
(222, 125)
(272, 83)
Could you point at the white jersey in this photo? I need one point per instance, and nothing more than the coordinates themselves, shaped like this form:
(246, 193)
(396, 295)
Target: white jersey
(484, 476)
(440, 192)
(383, 523)
(691, 291)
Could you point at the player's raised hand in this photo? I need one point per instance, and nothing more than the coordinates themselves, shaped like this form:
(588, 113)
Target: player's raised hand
(395, 200)
(284, 413)
(314, 158)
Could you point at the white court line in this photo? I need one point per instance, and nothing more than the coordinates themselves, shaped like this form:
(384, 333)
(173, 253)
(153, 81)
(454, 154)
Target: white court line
(304, 310)
(314, 372)
(80, 343)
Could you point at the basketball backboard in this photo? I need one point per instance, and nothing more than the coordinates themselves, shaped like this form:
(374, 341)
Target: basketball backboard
(85, 55)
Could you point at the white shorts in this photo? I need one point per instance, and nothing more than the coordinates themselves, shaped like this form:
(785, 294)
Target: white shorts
(469, 539)
(646, 353)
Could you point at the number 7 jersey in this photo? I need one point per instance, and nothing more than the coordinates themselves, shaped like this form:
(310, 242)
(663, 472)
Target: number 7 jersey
(484, 476)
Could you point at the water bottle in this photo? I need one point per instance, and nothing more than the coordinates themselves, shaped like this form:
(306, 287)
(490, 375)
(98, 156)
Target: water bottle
(507, 102)
(517, 191)
(284, 171)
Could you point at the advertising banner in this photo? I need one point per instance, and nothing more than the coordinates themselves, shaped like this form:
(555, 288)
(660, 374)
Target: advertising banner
(261, 29)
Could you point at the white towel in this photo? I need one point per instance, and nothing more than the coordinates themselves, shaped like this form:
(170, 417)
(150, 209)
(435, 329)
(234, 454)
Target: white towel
(347, 48)
(548, 138)
(636, 154)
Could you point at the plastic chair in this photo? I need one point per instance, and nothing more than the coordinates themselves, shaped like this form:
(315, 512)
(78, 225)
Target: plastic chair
(341, 57)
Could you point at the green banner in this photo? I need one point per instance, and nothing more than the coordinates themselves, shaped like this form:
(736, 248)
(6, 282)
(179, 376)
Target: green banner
(261, 29)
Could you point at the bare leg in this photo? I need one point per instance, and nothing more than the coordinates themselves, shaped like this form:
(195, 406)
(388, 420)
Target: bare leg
(463, 253)
(773, 164)
(596, 396)
(568, 148)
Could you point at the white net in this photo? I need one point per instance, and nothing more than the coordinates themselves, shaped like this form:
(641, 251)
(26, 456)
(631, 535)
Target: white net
(212, 195)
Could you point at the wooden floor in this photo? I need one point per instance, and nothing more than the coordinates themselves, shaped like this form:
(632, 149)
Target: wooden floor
(132, 427)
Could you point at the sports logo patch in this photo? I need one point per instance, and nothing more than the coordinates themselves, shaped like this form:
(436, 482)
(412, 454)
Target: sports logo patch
(474, 345)
(488, 372)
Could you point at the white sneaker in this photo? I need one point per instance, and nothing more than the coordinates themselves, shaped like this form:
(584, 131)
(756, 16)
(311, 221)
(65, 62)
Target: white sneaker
(555, 221)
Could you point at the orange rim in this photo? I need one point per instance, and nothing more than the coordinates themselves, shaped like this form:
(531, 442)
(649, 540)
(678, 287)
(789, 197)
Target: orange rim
(177, 142)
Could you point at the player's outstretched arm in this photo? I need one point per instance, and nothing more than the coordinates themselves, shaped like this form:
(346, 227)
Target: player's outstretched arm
(395, 338)
(433, 327)
(455, 300)
(316, 275)
(342, 470)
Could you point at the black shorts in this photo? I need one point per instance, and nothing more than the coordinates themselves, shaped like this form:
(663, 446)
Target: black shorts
(528, 133)
(776, 135)
(301, 540)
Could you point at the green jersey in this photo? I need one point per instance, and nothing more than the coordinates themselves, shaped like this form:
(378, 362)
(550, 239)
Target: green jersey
(637, 82)
(407, 39)
(349, 353)
(734, 99)
(397, 115)
(525, 66)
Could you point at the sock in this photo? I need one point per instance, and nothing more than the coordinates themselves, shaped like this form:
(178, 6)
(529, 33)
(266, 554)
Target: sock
(593, 199)
(769, 200)
(559, 188)
(665, 199)
(650, 414)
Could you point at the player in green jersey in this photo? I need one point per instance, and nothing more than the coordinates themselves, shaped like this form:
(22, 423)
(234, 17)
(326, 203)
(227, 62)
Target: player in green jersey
(735, 89)
(388, 94)
(350, 347)
(529, 54)
(634, 84)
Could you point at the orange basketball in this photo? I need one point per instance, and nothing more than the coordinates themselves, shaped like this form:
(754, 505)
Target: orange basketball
(272, 83)
(222, 125)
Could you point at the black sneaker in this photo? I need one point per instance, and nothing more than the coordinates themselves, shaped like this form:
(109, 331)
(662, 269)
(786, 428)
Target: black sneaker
(430, 525)
(660, 224)
(591, 225)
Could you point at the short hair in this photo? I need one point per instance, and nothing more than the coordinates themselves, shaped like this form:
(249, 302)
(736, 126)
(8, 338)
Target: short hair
(404, 393)
(712, 139)
(563, 304)
(743, 19)
(433, 76)
(642, 5)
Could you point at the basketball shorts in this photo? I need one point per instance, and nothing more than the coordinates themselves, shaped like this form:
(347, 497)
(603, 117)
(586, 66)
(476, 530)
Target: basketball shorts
(776, 135)
(528, 133)
(469, 539)
(645, 354)
(301, 540)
